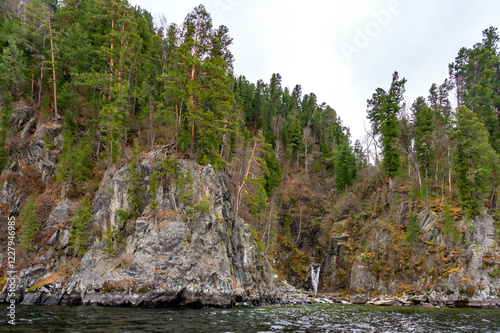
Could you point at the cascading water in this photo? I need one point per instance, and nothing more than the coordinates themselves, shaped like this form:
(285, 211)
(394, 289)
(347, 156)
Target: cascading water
(314, 278)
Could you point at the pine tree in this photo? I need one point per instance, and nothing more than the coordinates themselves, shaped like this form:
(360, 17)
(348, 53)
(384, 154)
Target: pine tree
(203, 57)
(112, 122)
(12, 68)
(31, 224)
(35, 31)
(79, 239)
(383, 111)
(4, 126)
(75, 162)
(476, 164)
(478, 85)
(423, 125)
(359, 155)
(345, 166)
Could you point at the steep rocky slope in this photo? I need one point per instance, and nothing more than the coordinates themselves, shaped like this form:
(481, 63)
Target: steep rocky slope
(185, 247)
(445, 260)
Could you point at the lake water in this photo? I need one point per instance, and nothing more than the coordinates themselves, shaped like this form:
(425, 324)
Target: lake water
(304, 318)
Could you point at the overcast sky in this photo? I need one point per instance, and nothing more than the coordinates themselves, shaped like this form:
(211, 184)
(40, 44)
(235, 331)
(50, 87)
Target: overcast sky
(343, 50)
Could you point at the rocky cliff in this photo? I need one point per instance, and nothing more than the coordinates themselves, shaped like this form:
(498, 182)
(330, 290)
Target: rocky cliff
(446, 259)
(178, 241)
(184, 247)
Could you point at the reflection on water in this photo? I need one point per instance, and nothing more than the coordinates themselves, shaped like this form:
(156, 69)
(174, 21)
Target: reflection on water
(305, 318)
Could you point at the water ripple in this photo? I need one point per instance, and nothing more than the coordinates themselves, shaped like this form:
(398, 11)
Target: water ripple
(306, 318)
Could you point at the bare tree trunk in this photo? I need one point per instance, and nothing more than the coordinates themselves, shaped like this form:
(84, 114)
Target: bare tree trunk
(53, 70)
(300, 224)
(238, 194)
(41, 76)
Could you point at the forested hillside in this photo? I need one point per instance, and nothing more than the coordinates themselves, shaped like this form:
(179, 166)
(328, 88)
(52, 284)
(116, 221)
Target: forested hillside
(118, 84)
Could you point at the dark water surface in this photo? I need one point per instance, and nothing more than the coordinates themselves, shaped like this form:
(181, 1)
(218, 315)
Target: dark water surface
(304, 318)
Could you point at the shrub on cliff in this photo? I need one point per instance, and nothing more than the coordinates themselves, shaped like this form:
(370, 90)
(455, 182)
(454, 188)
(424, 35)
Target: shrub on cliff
(31, 224)
(80, 238)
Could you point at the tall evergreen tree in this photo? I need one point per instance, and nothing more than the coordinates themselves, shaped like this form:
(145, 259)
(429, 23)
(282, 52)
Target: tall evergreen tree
(204, 57)
(31, 224)
(345, 166)
(477, 72)
(423, 125)
(476, 164)
(4, 126)
(79, 239)
(12, 68)
(383, 111)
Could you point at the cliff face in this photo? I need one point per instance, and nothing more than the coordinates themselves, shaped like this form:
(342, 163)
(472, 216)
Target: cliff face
(184, 247)
(448, 260)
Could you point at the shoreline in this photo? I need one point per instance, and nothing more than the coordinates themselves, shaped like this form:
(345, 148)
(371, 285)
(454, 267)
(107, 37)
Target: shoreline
(417, 301)
(290, 297)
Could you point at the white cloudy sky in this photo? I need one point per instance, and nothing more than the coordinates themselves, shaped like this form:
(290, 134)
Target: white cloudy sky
(307, 43)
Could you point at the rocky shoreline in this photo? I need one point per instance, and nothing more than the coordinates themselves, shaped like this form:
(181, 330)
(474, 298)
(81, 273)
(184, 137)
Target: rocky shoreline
(423, 301)
(285, 295)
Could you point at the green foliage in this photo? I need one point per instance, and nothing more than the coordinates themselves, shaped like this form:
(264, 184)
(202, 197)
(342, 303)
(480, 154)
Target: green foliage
(345, 166)
(258, 203)
(31, 224)
(272, 172)
(75, 162)
(383, 113)
(123, 216)
(203, 206)
(423, 123)
(79, 239)
(4, 125)
(110, 241)
(205, 89)
(476, 72)
(475, 162)
(167, 169)
(359, 155)
(154, 185)
(293, 136)
(286, 227)
(184, 185)
(497, 233)
(112, 121)
(412, 230)
(12, 68)
(495, 272)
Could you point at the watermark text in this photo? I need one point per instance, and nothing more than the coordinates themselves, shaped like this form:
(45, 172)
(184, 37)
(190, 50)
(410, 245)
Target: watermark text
(11, 273)
(363, 37)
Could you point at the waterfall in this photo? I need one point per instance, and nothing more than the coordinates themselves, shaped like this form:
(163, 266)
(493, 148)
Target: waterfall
(314, 278)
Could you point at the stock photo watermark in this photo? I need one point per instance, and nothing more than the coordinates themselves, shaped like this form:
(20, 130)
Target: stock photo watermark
(364, 36)
(224, 6)
(11, 273)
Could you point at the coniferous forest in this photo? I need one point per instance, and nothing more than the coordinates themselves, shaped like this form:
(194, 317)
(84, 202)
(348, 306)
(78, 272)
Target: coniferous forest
(119, 85)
